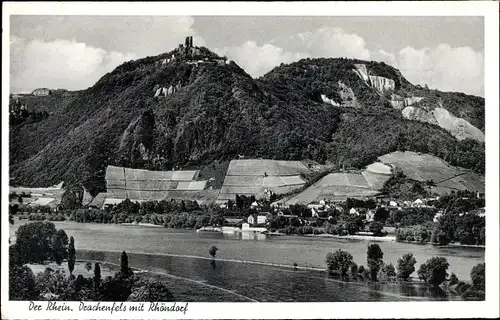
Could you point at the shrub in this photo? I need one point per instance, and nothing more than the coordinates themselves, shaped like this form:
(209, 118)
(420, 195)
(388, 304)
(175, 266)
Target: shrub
(354, 269)
(317, 231)
(147, 290)
(22, 283)
(361, 270)
(453, 279)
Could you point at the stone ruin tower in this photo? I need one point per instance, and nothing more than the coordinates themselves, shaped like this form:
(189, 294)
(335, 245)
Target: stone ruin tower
(189, 42)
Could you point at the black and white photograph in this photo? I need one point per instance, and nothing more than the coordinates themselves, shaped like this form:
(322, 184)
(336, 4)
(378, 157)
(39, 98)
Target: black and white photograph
(154, 160)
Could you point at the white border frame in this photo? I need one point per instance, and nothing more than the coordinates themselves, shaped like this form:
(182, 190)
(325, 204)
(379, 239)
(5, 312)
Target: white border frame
(487, 9)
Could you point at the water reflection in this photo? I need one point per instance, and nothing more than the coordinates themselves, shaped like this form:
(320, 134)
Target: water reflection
(252, 236)
(267, 283)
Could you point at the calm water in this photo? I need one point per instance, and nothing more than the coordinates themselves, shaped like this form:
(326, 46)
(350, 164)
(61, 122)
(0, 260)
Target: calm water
(184, 253)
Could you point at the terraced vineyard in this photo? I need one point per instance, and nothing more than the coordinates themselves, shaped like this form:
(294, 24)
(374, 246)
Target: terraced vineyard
(424, 167)
(144, 185)
(254, 176)
(50, 196)
(337, 187)
(420, 167)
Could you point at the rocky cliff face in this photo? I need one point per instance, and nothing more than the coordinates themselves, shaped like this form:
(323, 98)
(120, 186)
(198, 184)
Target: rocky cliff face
(381, 84)
(419, 114)
(329, 101)
(398, 102)
(458, 127)
(347, 95)
(137, 140)
(362, 72)
(134, 117)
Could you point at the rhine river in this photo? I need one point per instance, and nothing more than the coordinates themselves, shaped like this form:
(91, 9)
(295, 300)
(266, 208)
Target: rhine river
(268, 274)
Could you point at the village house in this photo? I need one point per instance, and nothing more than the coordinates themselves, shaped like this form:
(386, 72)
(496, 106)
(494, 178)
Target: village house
(255, 220)
(41, 92)
(438, 215)
(370, 215)
(254, 205)
(233, 222)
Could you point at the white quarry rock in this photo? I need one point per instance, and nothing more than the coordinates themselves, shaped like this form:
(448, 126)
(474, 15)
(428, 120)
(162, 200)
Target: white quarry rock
(382, 84)
(458, 127)
(158, 92)
(362, 72)
(329, 101)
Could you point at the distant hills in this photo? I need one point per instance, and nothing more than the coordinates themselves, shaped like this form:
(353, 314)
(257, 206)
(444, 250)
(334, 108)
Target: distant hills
(191, 108)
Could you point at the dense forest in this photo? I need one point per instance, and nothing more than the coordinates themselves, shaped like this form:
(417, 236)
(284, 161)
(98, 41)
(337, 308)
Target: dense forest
(218, 112)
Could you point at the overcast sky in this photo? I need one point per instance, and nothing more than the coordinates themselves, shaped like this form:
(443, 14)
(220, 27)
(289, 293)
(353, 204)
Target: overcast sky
(73, 52)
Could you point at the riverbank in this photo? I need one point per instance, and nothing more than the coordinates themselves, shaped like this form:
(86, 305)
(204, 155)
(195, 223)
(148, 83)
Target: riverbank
(456, 245)
(136, 224)
(354, 237)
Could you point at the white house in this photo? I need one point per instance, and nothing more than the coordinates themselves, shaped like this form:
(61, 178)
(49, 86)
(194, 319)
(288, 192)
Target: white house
(437, 216)
(256, 220)
(254, 205)
(41, 92)
(370, 215)
(417, 203)
(354, 211)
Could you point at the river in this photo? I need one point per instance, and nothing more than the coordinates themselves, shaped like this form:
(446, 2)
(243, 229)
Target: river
(184, 254)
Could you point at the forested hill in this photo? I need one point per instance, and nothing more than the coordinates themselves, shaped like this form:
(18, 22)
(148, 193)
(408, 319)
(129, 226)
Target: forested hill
(190, 107)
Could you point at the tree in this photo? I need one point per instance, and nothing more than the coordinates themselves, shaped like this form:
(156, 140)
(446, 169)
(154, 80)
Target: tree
(72, 197)
(448, 225)
(439, 236)
(477, 276)
(376, 227)
(71, 255)
(339, 261)
(374, 260)
(97, 274)
(59, 246)
(34, 242)
(433, 271)
(125, 271)
(388, 272)
(212, 251)
(406, 266)
(381, 215)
